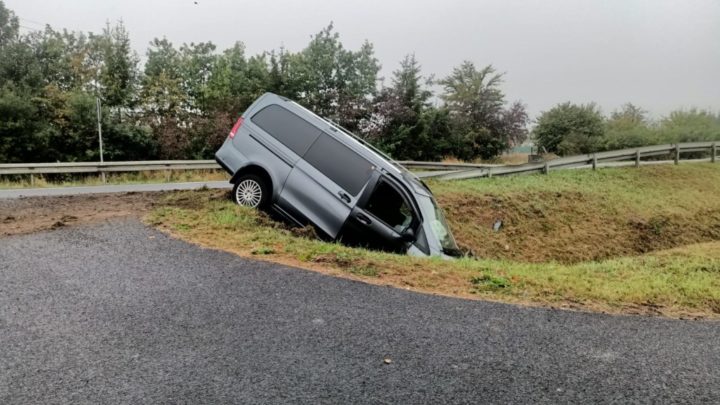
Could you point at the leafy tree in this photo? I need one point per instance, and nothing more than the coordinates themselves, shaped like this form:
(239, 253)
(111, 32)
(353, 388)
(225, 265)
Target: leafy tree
(629, 127)
(19, 127)
(61, 56)
(481, 123)
(228, 81)
(257, 79)
(9, 26)
(332, 81)
(409, 85)
(110, 70)
(20, 68)
(119, 73)
(689, 126)
(162, 92)
(628, 116)
(397, 124)
(570, 129)
(197, 64)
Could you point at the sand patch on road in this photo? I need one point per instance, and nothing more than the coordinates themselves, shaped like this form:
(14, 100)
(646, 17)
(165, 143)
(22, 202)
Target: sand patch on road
(32, 214)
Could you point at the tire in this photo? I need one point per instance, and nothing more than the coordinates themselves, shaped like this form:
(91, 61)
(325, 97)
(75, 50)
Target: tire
(251, 191)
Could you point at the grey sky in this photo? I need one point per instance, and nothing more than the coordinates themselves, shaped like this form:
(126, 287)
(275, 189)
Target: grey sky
(658, 54)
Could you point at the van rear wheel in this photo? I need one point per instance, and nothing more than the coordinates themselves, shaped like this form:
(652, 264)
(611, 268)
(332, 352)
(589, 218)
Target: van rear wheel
(251, 191)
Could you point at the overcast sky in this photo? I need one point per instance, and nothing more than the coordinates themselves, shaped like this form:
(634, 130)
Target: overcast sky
(658, 54)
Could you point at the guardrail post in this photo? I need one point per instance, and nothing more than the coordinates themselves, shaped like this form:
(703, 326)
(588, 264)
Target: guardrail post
(32, 179)
(637, 158)
(677, 153)
(594, 162)
(713, 152)
(546, 169)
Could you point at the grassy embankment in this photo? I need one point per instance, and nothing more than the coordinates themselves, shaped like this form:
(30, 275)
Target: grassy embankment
(70, 180)
(617, 240)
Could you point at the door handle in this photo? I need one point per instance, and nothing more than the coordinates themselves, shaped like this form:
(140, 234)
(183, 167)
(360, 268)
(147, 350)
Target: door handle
(363, 219)
(344, 197)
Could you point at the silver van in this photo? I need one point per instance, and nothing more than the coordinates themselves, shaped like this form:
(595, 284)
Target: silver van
(284, 158)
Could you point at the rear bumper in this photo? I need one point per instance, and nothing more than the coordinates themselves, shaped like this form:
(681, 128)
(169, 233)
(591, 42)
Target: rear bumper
(223, 164)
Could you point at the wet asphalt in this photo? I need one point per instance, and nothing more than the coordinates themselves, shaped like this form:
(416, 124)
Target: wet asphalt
(120, 313)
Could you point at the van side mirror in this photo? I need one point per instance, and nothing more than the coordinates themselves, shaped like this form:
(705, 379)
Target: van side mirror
(408, 235)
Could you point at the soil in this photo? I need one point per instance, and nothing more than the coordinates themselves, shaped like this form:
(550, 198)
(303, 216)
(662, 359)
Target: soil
(26, 215)
(567, 227)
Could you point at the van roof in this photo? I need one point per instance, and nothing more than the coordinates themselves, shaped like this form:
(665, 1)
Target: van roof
(370, 152)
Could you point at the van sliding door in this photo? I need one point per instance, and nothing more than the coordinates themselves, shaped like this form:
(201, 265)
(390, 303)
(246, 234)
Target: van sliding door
(324, 185)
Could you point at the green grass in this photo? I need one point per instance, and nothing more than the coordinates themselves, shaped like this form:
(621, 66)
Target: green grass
(74, 180)
(574, 216)
(649, 188)
(683, 280)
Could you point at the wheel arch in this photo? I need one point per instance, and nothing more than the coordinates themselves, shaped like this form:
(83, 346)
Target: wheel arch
(258, 171)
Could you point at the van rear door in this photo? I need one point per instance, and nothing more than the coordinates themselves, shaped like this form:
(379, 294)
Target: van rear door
(324, 185)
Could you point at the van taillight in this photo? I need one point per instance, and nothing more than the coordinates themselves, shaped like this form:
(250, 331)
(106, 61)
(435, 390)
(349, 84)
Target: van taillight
(237, 126)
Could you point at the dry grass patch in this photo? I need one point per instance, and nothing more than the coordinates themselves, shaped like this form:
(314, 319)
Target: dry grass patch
(74, 180)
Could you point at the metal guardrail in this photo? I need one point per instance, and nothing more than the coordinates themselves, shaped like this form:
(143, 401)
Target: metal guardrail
(150, 165)
(593, 161)
(438, 170)
(106, 167)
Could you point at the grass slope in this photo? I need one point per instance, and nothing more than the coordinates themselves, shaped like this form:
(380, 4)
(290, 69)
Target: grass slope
(574, 216)
(617, 240)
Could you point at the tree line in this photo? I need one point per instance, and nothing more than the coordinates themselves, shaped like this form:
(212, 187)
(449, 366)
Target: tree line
(570, 129)
(181, 102)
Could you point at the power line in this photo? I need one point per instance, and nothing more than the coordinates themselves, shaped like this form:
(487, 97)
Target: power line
(29, 28)
(27, 20)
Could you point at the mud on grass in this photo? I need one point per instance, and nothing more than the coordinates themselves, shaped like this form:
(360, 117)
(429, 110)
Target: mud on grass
(680, 282)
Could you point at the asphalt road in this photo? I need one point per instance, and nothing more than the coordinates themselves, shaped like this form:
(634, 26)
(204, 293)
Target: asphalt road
(119, 313)
(118, 188)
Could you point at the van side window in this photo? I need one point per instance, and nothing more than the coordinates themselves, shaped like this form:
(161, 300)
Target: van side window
(339, 163)
(389, 206)
(289, 129)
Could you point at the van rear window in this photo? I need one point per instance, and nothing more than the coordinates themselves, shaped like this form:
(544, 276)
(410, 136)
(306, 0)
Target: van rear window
(289, 129)
(339, 163)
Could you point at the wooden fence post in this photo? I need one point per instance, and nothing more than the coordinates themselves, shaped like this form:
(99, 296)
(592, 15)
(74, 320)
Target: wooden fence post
(677, 153)
(637, 158)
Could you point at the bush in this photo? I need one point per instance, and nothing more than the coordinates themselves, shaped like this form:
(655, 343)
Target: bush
(569, 129)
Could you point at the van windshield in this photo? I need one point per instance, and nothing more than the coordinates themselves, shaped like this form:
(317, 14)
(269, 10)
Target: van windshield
(434, 215)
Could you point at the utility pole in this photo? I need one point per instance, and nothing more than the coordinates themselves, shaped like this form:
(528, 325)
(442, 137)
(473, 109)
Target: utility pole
(99, 118)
